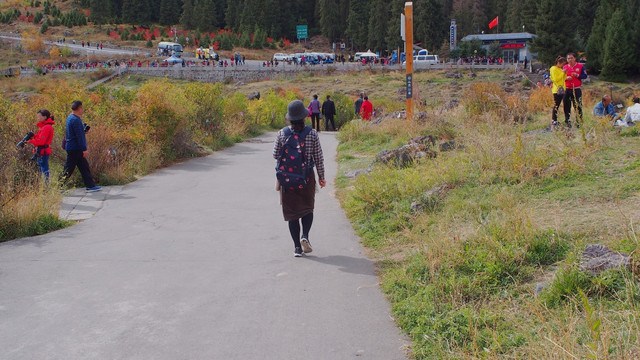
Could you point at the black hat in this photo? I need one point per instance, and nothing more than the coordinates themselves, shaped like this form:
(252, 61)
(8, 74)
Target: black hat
(296, 111)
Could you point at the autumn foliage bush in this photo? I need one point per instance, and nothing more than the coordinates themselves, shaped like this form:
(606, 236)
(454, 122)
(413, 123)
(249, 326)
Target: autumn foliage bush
(133, 132)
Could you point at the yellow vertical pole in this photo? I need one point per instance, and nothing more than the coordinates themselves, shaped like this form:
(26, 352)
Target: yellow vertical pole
(408, 30)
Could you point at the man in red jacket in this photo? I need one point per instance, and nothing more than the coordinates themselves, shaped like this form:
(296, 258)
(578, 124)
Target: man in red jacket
(367, 109)
(573, 94)
(42, 140)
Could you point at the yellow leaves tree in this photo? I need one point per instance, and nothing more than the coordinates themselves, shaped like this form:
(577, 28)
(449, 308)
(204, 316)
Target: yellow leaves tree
(32, 41)
(55, 53)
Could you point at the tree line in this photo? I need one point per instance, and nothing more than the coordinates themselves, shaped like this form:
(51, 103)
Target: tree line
(606, 31)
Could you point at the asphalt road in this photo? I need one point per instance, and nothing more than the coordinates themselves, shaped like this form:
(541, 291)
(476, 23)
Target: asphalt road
(195, 262)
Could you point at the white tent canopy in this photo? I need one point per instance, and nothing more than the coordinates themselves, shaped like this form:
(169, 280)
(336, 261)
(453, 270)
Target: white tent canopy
(369, 54)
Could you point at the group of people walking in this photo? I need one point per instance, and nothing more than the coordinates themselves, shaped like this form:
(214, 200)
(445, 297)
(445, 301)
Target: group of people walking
(326, 110)
(74, 143)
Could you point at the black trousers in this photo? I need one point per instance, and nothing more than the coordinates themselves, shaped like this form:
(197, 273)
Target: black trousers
(328, 118)
(557, 100)
(573, 97)
(75, 159)
(315, 121)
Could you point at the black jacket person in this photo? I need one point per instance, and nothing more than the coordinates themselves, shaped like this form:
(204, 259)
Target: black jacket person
(329, 110)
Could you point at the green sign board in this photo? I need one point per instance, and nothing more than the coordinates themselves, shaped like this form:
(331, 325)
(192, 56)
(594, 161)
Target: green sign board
(302, 31)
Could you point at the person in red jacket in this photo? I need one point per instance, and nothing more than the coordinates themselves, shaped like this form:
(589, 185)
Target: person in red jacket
(573, 94)
(42, 140)
(367, 109)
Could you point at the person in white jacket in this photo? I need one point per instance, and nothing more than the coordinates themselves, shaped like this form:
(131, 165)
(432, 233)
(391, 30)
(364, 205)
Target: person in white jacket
(633, 112)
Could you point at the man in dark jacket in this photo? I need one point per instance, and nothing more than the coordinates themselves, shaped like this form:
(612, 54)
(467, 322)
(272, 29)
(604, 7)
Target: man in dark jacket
(358, 103)
(328, 110)
(76, 147)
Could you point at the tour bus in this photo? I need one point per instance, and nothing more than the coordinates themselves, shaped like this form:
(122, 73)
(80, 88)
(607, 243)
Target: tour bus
(169, 48)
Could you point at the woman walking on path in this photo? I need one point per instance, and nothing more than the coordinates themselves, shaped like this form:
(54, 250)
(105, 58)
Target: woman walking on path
(298, 203)
(558, 77)
(314, 107)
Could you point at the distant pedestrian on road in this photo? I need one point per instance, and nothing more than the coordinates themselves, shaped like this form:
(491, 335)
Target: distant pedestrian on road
(76, 147)
(329, 110)
(367, 109)
(558, 77)
(314, 108)
(298, 203)
(358, 104)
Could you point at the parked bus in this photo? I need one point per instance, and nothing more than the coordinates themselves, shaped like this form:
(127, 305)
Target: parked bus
(169, 48)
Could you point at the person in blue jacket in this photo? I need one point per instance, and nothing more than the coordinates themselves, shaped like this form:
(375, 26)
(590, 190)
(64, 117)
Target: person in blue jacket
(76, 147)
(605, 108)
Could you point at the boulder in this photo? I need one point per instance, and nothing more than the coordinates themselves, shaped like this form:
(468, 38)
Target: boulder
(405, 154)
(424, 140)
(254, 96)
(430, 197)
(450, 145)
(449, 105)
(598, 258)
(453, 75)
(355, 173)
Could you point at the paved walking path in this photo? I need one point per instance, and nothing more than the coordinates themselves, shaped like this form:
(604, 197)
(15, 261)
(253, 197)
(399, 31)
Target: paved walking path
(195, 262)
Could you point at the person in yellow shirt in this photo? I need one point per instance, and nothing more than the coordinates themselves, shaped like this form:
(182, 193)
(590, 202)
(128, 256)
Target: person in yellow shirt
(558, 77)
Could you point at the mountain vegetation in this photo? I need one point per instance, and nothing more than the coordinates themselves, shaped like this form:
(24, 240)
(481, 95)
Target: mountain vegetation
(582, 26)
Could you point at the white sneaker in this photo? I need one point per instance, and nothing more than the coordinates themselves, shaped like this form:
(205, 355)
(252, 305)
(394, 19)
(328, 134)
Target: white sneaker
(306, 245)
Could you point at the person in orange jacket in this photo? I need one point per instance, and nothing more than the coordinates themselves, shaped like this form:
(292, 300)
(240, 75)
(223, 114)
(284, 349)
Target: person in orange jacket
(366, 110)
(42, 140)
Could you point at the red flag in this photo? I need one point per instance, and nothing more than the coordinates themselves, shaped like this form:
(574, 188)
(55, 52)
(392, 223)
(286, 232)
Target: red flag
(493, 23)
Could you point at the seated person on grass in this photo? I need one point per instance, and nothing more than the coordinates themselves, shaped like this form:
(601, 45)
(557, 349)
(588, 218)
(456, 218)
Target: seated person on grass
(605, 108)
(633, 112)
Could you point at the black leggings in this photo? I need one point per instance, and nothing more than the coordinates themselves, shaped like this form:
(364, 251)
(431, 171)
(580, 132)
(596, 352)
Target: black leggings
(557, 100)
(294, 228)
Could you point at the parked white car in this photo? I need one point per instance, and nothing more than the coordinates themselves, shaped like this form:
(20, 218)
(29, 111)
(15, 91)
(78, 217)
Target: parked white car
(280, 57)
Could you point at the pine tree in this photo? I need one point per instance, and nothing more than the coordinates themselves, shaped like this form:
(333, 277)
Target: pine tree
(618, 52)
(378, 29)
(393, 38)
(636, 40)
(205, 12)
(553, 38)
(100, 12)
(430, 24)
(586, 10)
(357, 22)
(330, 26)
(169, 12)
(596, 42)
(187, 19)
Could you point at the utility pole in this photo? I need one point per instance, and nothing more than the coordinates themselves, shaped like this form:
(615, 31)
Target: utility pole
(408, 28)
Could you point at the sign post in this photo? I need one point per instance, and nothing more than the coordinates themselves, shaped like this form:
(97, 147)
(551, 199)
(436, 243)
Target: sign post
(301, 31)
(408, 33)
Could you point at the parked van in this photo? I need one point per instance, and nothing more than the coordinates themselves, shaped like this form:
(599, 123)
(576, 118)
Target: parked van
(424, 60)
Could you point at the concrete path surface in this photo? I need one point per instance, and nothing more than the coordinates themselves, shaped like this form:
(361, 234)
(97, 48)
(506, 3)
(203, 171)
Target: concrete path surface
(195, 262)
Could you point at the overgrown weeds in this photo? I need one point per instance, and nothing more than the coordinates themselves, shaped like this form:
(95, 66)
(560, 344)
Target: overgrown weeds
(520, 207)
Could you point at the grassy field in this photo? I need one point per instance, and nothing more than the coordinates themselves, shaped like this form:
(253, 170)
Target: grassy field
(515, 208)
